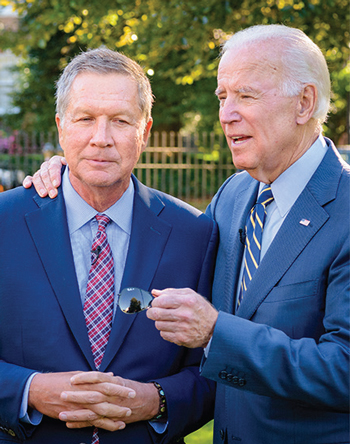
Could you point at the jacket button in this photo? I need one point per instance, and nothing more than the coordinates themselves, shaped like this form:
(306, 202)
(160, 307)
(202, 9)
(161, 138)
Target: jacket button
(222, 434)
(235, 379)
(242, 382)
(11, 432)
(223, 375)
(229, 377)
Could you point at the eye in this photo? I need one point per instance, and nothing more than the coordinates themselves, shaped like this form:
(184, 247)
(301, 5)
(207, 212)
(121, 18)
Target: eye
(247, 95)
(120, 121)
(222, 100)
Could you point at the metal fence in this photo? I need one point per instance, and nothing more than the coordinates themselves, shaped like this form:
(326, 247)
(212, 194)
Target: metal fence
(189, 166)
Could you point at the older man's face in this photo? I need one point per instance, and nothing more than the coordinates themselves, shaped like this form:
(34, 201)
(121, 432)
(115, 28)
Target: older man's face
(103, 133)
(259, 123)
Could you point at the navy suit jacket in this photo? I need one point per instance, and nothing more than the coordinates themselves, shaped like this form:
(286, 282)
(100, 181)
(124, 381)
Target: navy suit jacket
(282, 360)
(42, 326)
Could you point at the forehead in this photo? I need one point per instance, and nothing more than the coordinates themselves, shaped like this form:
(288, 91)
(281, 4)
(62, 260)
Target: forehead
(106, 88)
(250, 65)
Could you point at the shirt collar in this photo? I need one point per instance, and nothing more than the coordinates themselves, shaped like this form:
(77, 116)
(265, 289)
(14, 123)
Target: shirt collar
(79, 212)
(288, 186)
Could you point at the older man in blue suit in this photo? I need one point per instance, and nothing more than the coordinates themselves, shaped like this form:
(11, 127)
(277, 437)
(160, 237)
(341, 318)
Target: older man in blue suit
(146, 390)
(277, 341)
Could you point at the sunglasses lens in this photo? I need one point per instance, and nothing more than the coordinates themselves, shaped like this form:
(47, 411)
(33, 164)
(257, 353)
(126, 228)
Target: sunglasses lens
(134, 300)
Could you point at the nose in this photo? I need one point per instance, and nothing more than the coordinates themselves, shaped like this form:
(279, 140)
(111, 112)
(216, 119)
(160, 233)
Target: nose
(229, 112)
(102, 135)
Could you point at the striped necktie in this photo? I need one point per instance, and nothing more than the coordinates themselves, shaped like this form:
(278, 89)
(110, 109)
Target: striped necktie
(254, 228)
(99, 300)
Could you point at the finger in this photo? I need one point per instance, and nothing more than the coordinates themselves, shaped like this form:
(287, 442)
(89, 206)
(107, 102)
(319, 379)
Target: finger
(83, 397)
(27, 181)
(174, 297)
(165, 314)
(97, 393)
(78, 416)
(105, 383)
(166, 301)
(57, 161)
(47, 181)
(39, 185)
(103, 423)
(91, 378)
(96, 411)
(109, 424)
(54, 168)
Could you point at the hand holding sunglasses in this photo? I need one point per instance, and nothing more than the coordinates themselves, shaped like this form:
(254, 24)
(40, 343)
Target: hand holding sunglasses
(132, 300)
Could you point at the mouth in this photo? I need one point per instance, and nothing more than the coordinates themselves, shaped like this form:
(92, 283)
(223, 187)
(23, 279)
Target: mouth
(237, 140)
(98, 161)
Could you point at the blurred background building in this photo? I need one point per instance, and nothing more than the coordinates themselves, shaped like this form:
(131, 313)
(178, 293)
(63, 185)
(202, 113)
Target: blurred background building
(8, 20)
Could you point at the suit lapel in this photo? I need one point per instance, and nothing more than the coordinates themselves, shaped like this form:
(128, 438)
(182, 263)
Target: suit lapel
(49, 230)
(148, 239)
(290, 240)
(293, 236)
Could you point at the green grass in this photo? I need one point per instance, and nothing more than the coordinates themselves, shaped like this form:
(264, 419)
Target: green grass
(200, 204)
(201, 436)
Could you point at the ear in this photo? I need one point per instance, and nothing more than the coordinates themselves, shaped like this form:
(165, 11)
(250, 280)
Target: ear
(146, 134)
(307, 104)
(58, 124)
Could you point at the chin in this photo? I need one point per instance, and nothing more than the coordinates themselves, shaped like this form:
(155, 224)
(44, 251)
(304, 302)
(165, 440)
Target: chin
(240, 164)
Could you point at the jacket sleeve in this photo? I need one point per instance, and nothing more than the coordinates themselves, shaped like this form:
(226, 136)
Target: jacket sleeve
(264, 360)
(12, 383)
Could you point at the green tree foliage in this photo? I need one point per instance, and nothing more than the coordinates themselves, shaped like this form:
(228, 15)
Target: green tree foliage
(177, 42)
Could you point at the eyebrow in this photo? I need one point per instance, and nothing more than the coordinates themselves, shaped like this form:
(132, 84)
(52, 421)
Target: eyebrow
(246, 89)
(218, 91)
(241, 89)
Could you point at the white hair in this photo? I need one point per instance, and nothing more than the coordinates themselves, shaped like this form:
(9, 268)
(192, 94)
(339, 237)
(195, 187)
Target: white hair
(302, 60)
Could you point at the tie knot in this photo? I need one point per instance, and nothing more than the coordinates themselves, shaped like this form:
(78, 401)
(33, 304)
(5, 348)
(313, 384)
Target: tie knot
(103, 221)
(265, 197)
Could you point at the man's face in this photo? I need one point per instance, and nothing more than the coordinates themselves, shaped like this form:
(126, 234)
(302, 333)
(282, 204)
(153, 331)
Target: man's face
(103, 133)
(259, 123)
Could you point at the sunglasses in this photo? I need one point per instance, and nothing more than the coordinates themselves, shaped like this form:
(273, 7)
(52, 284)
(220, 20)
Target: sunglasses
(133, 300)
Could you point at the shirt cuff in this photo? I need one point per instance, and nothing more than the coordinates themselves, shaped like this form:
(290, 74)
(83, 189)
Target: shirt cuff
(158, 426)
(27, 414)
(207, 348)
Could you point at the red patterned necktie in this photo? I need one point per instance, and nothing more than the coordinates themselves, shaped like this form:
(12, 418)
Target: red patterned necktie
(99, 300)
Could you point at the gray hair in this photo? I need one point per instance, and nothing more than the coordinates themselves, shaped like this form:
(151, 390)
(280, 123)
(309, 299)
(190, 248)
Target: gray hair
(302, 61)
(103, 61)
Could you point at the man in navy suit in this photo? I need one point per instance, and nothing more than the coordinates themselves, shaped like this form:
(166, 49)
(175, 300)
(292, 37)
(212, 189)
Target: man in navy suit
(147, 390)
(279, 348)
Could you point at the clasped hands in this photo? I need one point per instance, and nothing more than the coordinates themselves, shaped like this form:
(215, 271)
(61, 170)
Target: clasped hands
(85, 399)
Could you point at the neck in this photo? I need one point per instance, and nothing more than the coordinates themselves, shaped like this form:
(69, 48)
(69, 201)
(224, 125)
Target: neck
(306, 139)
(99, 197)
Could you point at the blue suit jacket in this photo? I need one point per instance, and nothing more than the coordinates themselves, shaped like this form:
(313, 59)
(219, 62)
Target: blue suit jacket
(283, 360)
(42, 326)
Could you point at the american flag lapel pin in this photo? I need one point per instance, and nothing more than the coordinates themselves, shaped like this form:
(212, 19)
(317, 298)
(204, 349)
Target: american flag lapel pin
(304, 222)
